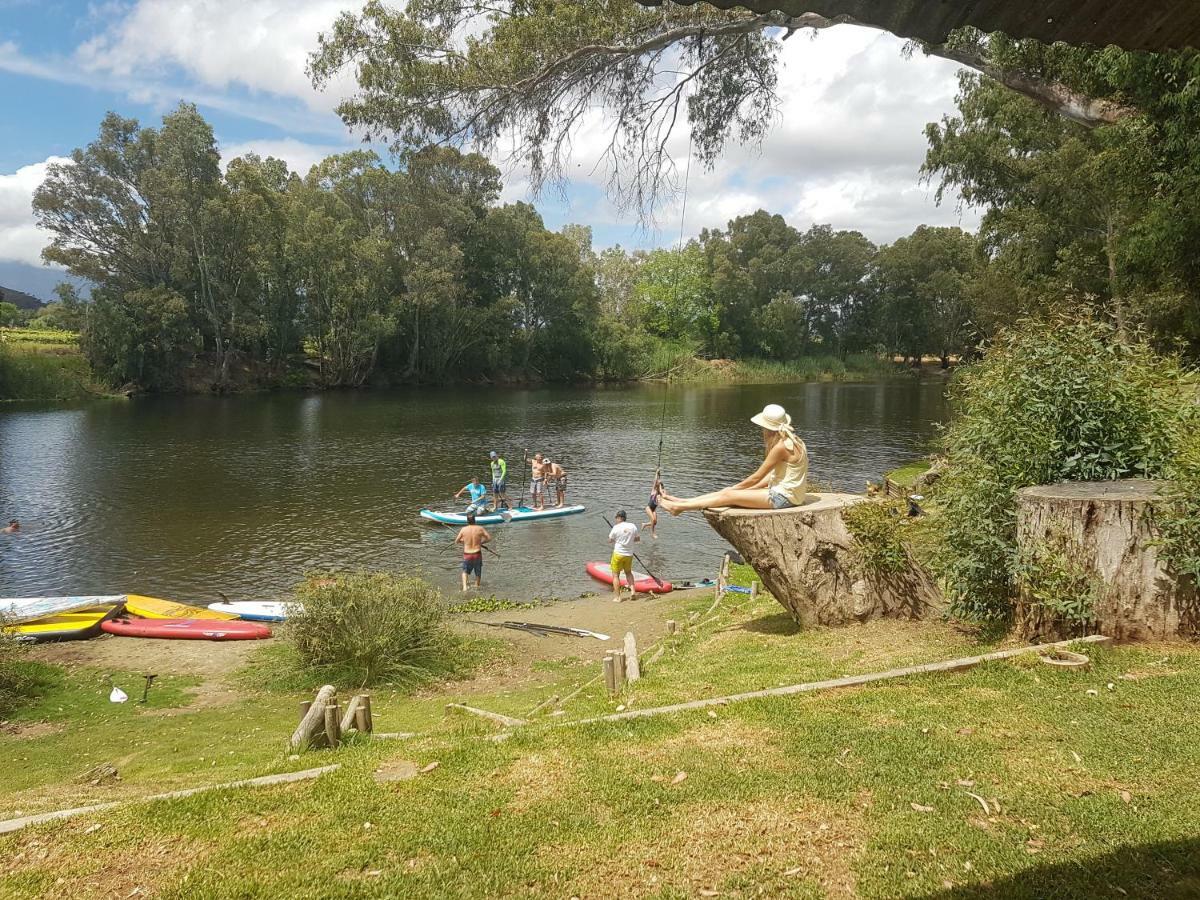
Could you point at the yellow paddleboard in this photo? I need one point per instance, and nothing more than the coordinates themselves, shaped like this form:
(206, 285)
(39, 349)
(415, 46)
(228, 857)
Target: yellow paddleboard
(154, 608)
(82, 623)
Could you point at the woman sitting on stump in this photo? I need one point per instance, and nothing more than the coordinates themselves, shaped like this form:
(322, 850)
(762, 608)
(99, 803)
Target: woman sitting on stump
(779, 483)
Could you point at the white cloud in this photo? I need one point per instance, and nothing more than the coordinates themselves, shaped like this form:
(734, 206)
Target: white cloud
(299, 156)
(20, 238)
(261, 45)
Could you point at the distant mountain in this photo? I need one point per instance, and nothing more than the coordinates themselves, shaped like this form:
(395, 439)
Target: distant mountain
(37, 282)
(19, 298)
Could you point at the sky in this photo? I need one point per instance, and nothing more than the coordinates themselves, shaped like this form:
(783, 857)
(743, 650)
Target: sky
(845, 150)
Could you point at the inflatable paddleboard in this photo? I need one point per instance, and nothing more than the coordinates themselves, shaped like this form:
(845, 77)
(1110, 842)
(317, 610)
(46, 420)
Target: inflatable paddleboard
(77, 625)
(253, 611)
(187, 629)
(27, 609)
(642, 583)
(155, 608)
(520, 514)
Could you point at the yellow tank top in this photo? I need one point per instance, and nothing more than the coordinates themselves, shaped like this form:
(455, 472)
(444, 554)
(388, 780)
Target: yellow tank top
(790, 477)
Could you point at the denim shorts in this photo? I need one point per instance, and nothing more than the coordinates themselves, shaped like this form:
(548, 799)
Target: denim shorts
(473, 565)
(778, 501)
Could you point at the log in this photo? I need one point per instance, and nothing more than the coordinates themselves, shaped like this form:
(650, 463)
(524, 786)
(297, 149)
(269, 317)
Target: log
(366, 702)
(313, 722)
(499, 718)
(807, 558)
(1102, 536)
(333, 721)
(349, 717)
(362, 720)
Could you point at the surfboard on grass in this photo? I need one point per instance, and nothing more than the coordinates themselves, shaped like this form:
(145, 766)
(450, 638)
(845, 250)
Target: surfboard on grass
(14, 610)
(519, 514)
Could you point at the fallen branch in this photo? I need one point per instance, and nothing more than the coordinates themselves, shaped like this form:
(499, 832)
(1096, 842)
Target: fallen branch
(952, 665)
(507, 721)
(11, 825)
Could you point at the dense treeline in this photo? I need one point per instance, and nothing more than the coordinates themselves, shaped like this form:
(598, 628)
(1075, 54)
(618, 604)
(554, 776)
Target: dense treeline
(415, 273)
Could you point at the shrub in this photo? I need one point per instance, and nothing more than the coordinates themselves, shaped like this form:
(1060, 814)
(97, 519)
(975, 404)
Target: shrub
(363, 628)
(1178, 517)
(18, 681)
(1052, 400)
(877, 528)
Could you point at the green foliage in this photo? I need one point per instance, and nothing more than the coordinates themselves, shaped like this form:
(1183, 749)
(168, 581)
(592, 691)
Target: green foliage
(878, 530)
(1053, 400)
(1049, 577)
(143, 336)
(1178, 516)
(31, 372)
(19, 680)
(362, 628)
(9, 315)
(490, 604)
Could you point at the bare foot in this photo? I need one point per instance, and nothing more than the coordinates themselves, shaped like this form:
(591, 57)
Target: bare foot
(671, 506)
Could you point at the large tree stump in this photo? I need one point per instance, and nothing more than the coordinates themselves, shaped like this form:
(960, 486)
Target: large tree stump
(807, 559)
(1103, 535)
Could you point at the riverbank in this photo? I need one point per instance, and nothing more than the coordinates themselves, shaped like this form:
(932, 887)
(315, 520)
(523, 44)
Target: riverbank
(44, 365)
(1012, 778)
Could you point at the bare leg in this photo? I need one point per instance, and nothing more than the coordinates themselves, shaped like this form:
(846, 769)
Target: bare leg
(741, 498)
(652, 524)
(464, 580)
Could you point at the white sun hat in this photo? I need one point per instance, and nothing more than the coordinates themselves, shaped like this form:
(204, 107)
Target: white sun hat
(773, 418)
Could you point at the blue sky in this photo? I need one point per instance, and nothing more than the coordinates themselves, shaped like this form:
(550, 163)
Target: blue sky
(846, 148)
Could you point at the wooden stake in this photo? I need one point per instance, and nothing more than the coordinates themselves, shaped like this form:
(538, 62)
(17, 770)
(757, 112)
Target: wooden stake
(672, 627)
(610, 674)
(618, 657)
(333, 723)
(361, 718)
(366, 698)
(633, 670)
(754, 589)
(313, 723)
(349, 717)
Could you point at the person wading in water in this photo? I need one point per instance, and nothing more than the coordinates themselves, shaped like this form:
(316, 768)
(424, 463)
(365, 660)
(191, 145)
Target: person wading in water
(779, 483)
(472, 537)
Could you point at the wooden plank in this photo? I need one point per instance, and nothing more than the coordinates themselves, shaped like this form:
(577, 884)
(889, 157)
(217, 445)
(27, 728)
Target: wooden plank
(951, 665)
(11, 825)
(502, 719)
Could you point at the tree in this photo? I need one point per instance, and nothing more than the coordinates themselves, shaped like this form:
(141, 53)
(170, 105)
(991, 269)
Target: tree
(143, 336)
(671, 295)
(9, 314)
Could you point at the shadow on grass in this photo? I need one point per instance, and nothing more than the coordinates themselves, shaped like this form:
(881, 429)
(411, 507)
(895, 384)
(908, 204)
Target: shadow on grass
(778, 624)
(1169, 870)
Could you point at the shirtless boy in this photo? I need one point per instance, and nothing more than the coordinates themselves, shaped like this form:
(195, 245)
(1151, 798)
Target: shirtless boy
(472, 537)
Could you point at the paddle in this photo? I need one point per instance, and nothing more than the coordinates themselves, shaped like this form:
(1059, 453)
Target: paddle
(657, 580)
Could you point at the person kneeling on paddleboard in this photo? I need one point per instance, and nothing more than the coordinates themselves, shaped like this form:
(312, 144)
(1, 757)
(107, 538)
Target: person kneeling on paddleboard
(623, 536)
(472, 537)
(478, 496)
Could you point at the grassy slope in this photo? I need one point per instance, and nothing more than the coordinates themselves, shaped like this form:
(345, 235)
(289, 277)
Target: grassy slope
(797, 797)
(42, 365)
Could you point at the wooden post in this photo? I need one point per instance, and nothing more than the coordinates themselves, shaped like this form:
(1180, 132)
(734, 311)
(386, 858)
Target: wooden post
(633, 670)
(348, 717)
(672, 627)
(610, 673)
(754, 589)
(619, 669)
(333, 725)
(305, 705)
(312, 725)
(366, 698)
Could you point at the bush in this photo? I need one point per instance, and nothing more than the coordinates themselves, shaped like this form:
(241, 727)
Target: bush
(364, 628)
(877, 528)
(18, 681)
(1052, 400)
(1179, 514)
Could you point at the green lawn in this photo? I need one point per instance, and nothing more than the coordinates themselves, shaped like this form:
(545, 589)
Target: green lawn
(1090, 790)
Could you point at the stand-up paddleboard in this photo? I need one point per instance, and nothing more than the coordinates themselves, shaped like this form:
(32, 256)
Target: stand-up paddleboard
(26, 609)
(76, 625)
(187, 629)
(520, 514)
(156, 608)
(254, 611)
(642, 583)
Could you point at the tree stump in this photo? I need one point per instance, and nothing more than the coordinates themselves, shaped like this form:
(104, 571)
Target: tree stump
(1105, 533)
(806, 557)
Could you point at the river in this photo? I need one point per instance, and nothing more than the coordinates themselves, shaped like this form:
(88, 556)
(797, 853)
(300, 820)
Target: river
(185, 497)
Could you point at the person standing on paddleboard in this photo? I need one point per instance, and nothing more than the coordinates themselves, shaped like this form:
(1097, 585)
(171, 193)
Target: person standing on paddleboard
(472, 537)
(537, 480)
(623, 536)
(555, 479)
(499, 480)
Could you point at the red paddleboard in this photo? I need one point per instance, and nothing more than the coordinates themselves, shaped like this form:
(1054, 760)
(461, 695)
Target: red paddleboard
(642, 583)
(187, 629)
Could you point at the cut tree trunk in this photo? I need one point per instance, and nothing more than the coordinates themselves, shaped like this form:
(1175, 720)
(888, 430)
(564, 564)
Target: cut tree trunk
(1105, 532)
(807, 558)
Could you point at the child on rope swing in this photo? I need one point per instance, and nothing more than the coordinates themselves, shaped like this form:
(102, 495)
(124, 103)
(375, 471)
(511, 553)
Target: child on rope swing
(779, 483)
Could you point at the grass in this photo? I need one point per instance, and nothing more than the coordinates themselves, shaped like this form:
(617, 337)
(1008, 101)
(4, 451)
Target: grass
(908, 473)
(856, 367)
(43, 365)
(864, 792)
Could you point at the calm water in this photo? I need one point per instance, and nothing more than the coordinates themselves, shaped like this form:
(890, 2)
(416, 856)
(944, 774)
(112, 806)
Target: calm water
(185, 497)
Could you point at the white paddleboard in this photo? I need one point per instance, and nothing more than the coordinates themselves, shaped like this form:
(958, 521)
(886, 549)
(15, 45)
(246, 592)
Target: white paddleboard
(14, 610)
(257, 611)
